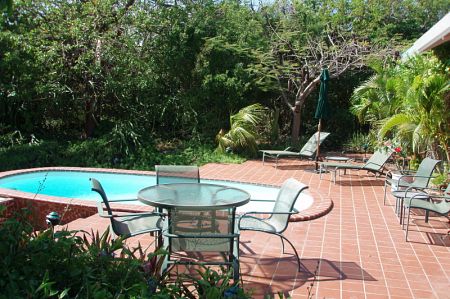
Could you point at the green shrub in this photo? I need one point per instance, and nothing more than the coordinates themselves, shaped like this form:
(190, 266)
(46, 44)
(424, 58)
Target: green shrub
(359, 143)
(101, 152)
(65, 264)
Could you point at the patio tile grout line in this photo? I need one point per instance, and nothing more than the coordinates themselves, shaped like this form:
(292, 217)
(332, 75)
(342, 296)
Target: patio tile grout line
(420, 262)
(376, 244)
(321, 250)
(359, 244)
(422, 236)
(301, 255)
(395, 249)
(357, 235)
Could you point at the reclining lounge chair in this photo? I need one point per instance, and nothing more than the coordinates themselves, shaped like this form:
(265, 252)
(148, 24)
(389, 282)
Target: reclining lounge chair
(308, 150)
(375, 164)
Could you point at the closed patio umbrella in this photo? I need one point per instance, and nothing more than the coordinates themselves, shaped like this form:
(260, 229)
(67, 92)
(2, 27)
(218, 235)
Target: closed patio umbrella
(323, 109)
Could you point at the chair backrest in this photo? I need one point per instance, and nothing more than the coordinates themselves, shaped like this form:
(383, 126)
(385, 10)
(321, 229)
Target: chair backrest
(118, 228)
(97, 187)
(378, 159)
(310, 147)
(286, 198)
(423, 174)
(166, 174)
(202, 231)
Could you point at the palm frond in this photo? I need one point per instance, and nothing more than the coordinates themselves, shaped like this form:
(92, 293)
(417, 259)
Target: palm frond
(390, 123)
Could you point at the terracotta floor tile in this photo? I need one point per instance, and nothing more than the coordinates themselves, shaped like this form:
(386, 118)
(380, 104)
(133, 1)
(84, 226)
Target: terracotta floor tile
(352, 295)
(400, 292)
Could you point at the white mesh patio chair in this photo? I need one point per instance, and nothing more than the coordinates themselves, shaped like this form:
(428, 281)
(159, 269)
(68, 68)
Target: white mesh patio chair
(126, 225)
(411, 181)
(375, 164)
(203, 237)
(278, 219)
(309, 150)
(439, 204)
(167, 174)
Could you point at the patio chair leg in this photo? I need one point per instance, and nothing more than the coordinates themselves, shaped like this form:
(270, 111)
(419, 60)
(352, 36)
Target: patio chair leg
(401, 209)
(385, 187)
(333, 175)
(396, 205)
(282, 244)
(407, 225)
(295, 251)
(404, 215)
(264, 156)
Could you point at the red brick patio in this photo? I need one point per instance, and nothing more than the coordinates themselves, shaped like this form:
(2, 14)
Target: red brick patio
(358, 250)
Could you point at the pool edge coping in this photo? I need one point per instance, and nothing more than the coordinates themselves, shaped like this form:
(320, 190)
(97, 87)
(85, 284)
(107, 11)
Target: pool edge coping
(322, 208)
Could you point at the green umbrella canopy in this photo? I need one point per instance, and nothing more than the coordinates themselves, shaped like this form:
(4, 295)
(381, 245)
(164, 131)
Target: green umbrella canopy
(323, 109)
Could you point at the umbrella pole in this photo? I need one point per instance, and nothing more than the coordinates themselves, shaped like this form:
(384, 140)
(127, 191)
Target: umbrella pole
(319, 128)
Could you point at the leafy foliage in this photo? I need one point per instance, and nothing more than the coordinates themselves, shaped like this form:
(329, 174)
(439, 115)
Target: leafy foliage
(242, 135)
(408, 102)
(61, 264)
(102, 152)
(71, 264)
(133, 70)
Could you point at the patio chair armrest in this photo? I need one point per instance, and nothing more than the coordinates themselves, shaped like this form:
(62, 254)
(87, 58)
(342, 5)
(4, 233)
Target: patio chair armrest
(400, 179)
(413, 199)
(402, 172)
(269, 213)
(290, 148)
(424, 192)
(102, 214)
(263, 200)
(409, 189)
(125, 199)
(203, 236)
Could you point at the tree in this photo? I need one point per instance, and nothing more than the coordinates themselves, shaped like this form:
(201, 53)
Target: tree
(409, 103)
(296, 59)
(306, 36)
(375, 99)
(422, 116)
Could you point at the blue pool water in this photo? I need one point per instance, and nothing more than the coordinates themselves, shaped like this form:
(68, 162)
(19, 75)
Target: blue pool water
(75, 184)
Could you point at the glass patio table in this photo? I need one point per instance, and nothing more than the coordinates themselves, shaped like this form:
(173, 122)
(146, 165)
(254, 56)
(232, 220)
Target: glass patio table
(201, 218)
(193, 196)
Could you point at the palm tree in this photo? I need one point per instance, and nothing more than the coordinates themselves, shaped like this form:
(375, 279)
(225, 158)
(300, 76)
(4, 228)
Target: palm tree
(375, 98)
(423, 118)
(242, 135)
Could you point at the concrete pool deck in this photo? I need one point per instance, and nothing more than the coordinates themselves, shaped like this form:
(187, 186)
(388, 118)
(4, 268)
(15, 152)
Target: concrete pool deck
(357, 250)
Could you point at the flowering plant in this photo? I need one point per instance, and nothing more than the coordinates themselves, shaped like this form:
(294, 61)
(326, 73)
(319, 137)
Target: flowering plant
(400, 154)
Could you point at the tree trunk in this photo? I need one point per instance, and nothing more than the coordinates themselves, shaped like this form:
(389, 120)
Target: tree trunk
(90, 123)
(301, 97)
(297, 120)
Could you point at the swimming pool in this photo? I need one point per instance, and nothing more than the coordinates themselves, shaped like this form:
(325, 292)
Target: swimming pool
(75, 184)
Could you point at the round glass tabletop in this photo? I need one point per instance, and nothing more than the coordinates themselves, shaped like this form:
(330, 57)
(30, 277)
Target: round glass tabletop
(193, 196)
